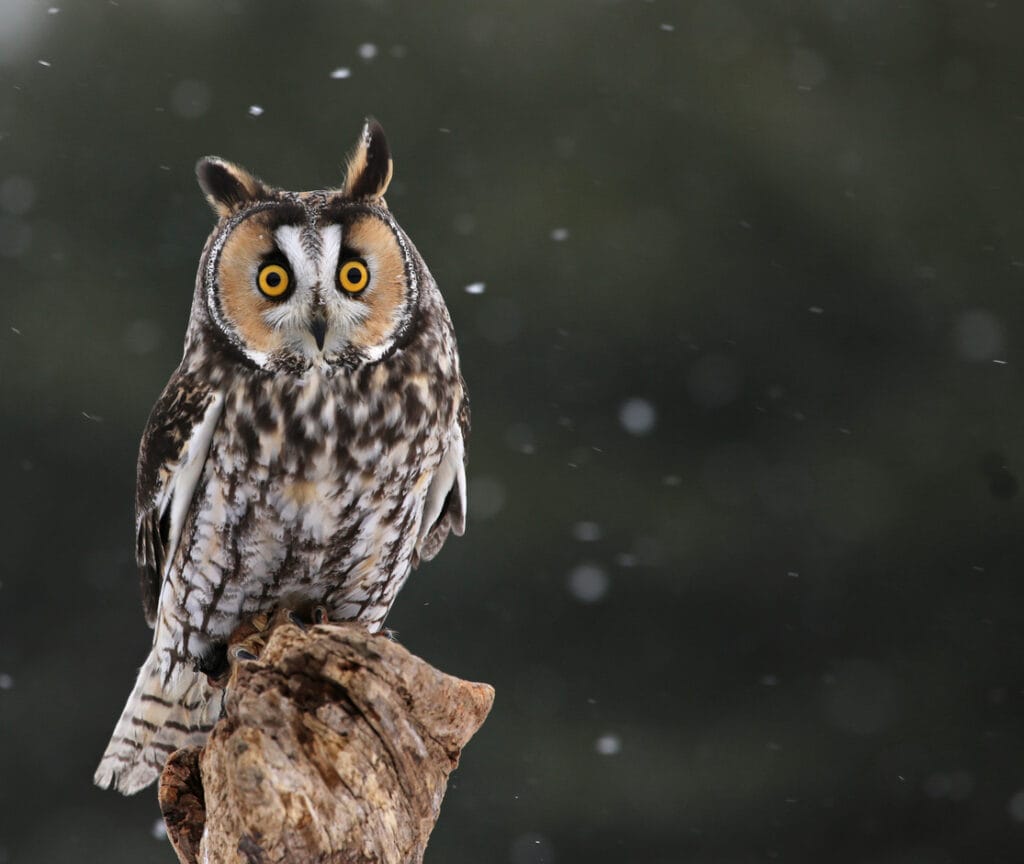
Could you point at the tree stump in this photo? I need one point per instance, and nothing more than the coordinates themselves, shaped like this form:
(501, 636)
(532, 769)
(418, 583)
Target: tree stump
(335, 746)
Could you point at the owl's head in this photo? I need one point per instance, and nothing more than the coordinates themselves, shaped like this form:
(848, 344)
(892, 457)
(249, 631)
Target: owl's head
(299, 279)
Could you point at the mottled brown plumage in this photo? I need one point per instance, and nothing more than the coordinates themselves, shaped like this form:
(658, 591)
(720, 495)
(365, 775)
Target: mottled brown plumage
(308, 450)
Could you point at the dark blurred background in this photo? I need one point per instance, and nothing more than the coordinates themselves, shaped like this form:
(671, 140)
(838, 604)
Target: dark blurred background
(738, 285)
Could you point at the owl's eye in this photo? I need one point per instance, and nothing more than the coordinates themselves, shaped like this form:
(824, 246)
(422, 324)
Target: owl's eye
(353, 275)
(273, 281)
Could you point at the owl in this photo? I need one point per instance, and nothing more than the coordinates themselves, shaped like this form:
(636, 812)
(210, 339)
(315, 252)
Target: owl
(309, 450)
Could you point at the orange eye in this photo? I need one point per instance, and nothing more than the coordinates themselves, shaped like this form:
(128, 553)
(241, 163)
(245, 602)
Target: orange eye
(353, 276)
(273, 281)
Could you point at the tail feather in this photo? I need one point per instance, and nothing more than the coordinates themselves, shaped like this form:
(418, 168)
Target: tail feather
(158, 719)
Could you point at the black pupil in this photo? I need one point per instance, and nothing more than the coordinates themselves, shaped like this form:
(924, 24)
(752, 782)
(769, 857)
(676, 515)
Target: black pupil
(352, 273)
(273, 279)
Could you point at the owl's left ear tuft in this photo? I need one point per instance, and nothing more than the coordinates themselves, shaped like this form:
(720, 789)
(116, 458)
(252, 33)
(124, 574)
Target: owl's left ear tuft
(370, 165)
(228, 187)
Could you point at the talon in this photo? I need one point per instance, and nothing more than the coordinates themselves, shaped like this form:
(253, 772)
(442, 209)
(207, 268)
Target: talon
(294, 618)
(244, 654)
(320, 615)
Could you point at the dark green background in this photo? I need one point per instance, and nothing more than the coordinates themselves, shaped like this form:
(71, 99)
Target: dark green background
(795, 230)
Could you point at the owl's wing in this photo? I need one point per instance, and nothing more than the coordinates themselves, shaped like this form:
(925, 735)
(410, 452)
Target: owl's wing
(171, 459)
(444, 511)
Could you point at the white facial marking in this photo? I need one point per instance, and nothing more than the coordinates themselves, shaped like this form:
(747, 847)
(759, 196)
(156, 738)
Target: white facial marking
(304, 268)
(331, 244)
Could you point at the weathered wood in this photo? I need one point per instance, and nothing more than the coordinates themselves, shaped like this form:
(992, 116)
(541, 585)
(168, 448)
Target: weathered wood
(335, 746)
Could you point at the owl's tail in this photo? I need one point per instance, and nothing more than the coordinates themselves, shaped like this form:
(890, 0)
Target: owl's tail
(158, 719)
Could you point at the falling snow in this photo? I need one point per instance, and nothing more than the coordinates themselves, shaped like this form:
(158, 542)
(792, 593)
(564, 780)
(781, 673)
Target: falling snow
(608, 745)
(255, 110)
(475, 288)
(341, 72)
(588, 582)
(637, 416)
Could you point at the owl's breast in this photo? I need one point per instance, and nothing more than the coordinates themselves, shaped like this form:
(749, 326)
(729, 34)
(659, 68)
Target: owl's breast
(309, 428)
(312, 486)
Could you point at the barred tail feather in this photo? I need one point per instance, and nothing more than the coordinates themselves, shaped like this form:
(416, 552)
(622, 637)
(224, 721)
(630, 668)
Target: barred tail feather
(158, 719)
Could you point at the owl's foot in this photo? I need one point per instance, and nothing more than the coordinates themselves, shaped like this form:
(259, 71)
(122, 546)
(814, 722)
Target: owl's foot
(244, 645)
(247, 641)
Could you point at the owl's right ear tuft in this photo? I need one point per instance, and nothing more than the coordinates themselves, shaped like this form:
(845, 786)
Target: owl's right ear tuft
(369, 165)
(228, 187)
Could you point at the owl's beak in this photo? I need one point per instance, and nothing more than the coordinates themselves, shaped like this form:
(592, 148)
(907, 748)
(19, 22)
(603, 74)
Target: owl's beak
(318, 327)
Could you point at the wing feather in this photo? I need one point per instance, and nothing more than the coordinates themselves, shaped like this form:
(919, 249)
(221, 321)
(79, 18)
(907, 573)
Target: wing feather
(171, 459)
(444, 511)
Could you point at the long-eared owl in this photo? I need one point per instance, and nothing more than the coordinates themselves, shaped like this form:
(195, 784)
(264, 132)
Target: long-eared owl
(309, 449)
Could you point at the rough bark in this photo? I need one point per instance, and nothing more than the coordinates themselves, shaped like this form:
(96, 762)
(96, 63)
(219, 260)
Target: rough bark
(335, 746)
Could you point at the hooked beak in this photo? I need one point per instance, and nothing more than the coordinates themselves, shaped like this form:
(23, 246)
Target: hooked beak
(318, 327)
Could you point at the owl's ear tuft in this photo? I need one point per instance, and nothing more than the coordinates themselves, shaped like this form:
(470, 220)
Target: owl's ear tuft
(228, 187)
(370, 165)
